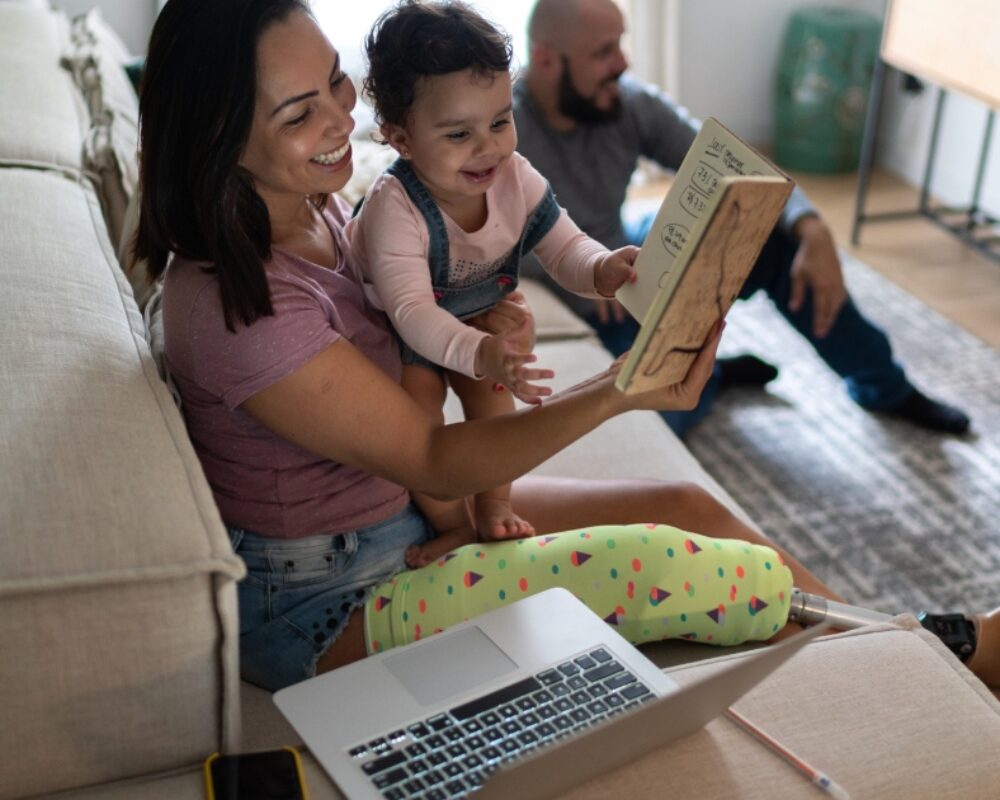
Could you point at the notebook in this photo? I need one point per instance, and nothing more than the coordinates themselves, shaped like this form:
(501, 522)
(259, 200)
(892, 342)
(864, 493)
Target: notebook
(708, 233)
(523, 701)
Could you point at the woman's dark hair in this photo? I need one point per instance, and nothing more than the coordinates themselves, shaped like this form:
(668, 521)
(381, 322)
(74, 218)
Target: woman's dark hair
(196, 107)
(414, 40)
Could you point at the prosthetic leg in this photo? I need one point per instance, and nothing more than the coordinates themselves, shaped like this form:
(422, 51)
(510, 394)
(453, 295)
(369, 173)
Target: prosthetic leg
(811, 609)
(973, 639)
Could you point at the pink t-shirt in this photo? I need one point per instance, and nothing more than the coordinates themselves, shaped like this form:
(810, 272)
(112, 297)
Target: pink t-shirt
(390, 244)
(262, 481)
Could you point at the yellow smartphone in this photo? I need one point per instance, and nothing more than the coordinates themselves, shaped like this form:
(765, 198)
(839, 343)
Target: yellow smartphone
(265, 775)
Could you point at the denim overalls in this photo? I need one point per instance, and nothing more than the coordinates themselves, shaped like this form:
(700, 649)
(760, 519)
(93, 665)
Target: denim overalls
(467, 301)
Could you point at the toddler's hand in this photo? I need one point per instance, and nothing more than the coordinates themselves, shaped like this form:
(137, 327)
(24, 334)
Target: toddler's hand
(500, 358)
(615, 269)
(509, 313)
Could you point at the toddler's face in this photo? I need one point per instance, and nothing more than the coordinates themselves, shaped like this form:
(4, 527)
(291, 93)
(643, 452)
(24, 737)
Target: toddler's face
(459, 133)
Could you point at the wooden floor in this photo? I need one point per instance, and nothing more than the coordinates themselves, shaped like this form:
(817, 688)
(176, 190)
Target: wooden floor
(928, 262)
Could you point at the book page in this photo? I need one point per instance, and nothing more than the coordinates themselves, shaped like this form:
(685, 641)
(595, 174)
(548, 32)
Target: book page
(716, 152)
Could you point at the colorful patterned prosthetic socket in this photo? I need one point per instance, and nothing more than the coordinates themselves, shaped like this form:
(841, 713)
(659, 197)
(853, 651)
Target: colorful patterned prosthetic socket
(650, 581)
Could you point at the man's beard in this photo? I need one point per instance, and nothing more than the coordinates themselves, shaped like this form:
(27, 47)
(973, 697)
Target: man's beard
(582, 109)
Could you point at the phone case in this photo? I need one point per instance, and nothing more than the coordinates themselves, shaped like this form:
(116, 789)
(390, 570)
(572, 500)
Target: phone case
(210, 790)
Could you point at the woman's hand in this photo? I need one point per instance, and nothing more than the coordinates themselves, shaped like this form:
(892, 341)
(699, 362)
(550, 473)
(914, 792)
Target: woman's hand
(681, 396)
(615, 269)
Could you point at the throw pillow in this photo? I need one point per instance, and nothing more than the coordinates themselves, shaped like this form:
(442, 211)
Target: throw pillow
(96, 57)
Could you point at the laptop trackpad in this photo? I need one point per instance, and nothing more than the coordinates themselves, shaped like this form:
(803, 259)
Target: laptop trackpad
(449, 665)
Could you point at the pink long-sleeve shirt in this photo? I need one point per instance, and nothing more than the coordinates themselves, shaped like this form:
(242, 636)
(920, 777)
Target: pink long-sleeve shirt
(390, 244)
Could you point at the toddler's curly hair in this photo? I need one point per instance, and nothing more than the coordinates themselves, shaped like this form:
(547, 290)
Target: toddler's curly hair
(416, 40)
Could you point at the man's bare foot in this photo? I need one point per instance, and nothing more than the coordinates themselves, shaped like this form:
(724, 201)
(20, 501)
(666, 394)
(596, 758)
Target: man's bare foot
(420, 555)
(495, 519)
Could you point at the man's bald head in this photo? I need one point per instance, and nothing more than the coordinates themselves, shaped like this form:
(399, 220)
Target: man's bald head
(554, 22)
(548, 21)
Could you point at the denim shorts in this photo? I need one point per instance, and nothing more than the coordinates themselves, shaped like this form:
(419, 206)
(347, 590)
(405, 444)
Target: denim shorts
(299, 593)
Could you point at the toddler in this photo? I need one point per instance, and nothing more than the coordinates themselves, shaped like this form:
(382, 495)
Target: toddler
(440, 235)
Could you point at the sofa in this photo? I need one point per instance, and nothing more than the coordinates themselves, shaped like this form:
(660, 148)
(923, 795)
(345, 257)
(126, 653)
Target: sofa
(119, 665)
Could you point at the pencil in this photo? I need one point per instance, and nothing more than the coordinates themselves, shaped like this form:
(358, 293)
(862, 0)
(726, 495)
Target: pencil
(819, 779)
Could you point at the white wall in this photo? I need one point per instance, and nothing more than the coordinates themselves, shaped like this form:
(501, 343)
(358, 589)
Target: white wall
(726, 65)
(729, 52)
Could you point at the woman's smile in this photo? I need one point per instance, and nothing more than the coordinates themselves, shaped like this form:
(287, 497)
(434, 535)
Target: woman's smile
(335, 159)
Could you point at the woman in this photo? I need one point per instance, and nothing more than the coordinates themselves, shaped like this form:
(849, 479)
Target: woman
(290, 382)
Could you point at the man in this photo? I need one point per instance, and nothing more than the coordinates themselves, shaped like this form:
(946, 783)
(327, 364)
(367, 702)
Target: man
(583, 124)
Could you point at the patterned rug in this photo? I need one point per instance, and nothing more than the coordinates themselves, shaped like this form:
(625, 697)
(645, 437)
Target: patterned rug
(892, 517)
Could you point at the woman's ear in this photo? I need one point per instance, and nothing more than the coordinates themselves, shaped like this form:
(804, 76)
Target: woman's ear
(396, 136)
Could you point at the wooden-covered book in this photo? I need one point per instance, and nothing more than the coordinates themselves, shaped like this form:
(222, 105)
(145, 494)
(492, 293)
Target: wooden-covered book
(707, 235)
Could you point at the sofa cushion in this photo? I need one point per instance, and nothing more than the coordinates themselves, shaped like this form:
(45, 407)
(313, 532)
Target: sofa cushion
(553, 318)
(44, 119)
(96, 58)
(117, 579)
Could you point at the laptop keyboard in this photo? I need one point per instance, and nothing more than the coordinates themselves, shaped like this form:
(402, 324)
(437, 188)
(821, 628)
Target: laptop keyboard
(449, 755)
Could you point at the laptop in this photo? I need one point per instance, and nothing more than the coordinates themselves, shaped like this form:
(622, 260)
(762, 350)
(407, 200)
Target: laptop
(524, 701)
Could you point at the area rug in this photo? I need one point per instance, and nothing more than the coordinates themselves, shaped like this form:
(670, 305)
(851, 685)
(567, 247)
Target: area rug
(892, 517)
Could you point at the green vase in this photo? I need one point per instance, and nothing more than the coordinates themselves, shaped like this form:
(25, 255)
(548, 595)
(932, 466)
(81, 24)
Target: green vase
(824, 78)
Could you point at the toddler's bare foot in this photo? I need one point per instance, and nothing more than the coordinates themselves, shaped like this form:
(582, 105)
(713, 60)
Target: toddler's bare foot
(420, 555)
(495, 519)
